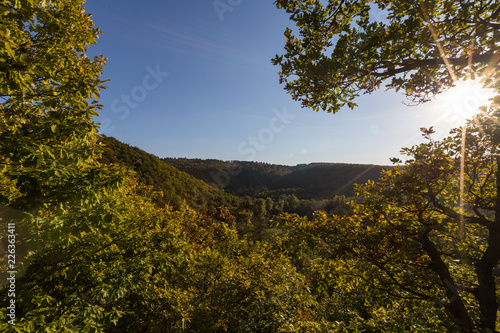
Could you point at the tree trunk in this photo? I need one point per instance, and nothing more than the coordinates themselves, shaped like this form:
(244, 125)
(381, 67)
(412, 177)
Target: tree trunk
(455, 306)
(486, 292)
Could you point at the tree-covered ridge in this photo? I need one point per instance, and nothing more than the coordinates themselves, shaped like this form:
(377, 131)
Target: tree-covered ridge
(175, 187)
(169, 186)
(237, 177)
(306, 181)
(325, 180)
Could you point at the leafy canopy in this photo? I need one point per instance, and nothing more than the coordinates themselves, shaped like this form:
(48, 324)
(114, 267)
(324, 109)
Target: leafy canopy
(48, 88)
(346, 48)
(405, 244)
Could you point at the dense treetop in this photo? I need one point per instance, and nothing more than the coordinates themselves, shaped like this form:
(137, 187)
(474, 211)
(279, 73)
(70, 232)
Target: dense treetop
(48, 91)
(348, 48)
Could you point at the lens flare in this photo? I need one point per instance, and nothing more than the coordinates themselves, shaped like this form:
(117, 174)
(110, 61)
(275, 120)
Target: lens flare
(464, 100)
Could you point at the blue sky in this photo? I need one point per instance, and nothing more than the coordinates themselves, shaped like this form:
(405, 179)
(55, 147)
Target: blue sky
(187, 80)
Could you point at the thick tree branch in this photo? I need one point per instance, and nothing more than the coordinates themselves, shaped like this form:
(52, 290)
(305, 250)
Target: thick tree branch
(457, 216)
(486, 295)
(488, 57)
(399, 284)
(390, 291)
(456, 306)
(495, 14)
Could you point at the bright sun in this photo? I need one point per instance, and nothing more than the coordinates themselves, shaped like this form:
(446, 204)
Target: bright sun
(464, 99)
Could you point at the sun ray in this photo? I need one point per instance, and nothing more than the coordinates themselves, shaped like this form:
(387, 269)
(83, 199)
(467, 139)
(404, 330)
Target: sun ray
(462, 150)
(438, 44)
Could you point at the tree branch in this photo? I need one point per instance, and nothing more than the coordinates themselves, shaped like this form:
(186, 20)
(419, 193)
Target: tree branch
(455, 306)
(495, 14)
(486, 58)
(453, 214)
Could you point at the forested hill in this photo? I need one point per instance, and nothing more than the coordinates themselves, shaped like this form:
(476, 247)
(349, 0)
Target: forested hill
(200, 182)
(176, 186)
(306, 181)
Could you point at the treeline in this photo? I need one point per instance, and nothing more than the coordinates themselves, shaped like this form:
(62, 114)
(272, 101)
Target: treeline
(307, 181)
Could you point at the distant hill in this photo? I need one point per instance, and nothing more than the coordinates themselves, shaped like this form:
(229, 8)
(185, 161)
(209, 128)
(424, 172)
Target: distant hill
(212, 183)
(306, 181)
(252, 191)
(177, 186)
(324, 180)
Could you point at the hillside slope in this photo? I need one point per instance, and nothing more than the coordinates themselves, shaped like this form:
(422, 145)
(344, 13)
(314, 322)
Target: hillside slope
(177, 186)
